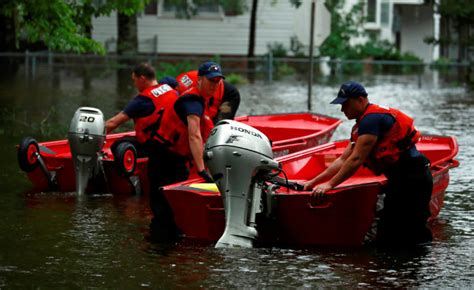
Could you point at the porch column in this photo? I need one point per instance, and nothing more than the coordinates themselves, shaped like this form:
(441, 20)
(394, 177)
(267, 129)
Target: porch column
(436, 29)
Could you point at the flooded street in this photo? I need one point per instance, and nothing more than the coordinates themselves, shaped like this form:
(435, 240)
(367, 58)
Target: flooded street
(59, 240)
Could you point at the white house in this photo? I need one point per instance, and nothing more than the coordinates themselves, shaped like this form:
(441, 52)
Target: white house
(406, 23)
(403, 22)
(213, 32)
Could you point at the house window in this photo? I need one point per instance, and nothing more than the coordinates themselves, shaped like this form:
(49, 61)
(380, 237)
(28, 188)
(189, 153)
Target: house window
(372, 11)
(385, 13)
(195, 9)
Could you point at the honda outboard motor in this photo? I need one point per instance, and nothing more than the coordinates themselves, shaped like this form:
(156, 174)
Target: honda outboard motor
(237, 156)
(86, 138)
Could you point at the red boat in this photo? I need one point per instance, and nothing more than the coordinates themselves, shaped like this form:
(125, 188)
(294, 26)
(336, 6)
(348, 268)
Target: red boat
(49, 165)
(342, 217)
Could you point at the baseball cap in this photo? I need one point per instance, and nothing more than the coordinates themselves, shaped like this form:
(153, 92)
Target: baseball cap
(349, 90)
(171, 81)
(210, 70)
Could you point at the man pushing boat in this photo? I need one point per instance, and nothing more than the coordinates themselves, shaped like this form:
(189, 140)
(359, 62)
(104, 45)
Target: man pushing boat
(170, 130)
(226, 98)
(383, 139)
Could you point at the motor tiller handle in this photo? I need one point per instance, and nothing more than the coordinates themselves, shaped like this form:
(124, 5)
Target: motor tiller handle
(287, 183)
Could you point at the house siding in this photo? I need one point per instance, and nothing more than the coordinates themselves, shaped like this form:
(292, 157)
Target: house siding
(225, 35)
(416, 24)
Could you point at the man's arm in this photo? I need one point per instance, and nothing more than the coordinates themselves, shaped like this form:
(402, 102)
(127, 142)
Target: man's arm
(362, 149)
(230, 103)
(331, 170)
(195, 140)
(117, 120)
(138, 107)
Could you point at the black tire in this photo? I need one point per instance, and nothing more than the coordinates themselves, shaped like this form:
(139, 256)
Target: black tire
(125, 158)
(27, 154)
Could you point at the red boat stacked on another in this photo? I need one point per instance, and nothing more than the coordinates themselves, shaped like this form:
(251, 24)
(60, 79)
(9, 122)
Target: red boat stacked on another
(49, 165)
(342, 217)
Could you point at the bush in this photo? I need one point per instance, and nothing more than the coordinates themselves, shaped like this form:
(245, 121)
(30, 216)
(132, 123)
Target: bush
(277, 49)
(173, 69)
(235, 79)
(282, 70)
(378, 50)
(442, 64)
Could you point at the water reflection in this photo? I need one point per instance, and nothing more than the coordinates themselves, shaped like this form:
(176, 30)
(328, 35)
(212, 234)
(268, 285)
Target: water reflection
(56, 239)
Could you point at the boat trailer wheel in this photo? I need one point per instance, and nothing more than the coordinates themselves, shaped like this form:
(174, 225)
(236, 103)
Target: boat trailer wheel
(28, 154)
(125, 156)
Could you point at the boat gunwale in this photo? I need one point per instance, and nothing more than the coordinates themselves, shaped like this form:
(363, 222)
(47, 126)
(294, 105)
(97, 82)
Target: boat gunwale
(436, 166)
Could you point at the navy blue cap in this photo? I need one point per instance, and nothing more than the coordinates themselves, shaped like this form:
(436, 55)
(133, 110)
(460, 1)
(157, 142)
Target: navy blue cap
(171, 81)
(349, 90)
(210, 70)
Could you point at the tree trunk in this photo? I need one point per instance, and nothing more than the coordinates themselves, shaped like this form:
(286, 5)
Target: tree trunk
(461, 41)
(7, 30)
(9, 65)
(251, 49)
(127, 42)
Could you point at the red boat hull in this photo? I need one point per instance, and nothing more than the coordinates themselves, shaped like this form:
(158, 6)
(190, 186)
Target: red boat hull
(342, 217)
(289, 133)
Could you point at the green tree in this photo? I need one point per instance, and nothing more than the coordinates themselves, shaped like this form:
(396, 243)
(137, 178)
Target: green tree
(343, 27)
(57, 25)
(461, 14)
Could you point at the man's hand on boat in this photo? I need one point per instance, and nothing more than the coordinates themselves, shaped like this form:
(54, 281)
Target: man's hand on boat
(319, 190)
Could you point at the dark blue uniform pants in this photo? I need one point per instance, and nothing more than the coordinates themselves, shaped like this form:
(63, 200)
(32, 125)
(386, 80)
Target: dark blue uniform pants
(164, 167)
(406, 205)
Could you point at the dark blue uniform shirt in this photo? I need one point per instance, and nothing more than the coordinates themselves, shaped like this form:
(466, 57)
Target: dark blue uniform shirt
(378, 125)
(139, 107)
(188, 106)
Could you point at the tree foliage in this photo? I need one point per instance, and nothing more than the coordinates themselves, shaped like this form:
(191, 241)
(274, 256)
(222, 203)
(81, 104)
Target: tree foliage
(460, 13)
(343, 27)
(59, 25)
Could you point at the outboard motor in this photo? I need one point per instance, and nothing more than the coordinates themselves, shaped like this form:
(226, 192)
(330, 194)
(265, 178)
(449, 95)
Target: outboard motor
(86, 137)
(238, 157)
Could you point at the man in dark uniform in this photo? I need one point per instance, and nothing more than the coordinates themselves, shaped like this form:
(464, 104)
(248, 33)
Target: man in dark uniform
(383, 139)
(141, 107)
(193, 108)
(164, 165)
(230, 101)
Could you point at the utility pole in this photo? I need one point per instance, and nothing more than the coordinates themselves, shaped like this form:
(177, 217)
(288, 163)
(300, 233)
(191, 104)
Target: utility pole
(311, 48)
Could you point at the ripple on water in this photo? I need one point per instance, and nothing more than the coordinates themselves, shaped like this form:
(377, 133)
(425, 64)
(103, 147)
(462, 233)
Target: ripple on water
(55, 240)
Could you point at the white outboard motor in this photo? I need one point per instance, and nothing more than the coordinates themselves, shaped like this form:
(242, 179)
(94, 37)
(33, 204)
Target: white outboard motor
(86, 138)
(237, 156)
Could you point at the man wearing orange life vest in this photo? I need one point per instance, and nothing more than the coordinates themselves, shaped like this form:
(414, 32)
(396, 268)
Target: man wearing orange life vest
(195, 109)
(222, 105)
(157, 128)
(383, 139)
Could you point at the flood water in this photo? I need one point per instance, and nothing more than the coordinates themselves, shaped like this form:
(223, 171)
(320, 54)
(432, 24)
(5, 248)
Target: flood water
(59, 240)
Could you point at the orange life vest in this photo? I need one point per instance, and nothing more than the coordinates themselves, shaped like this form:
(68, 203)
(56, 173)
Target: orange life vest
(206, 119)
(189, 80)
(401, 136)
(163, 124)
